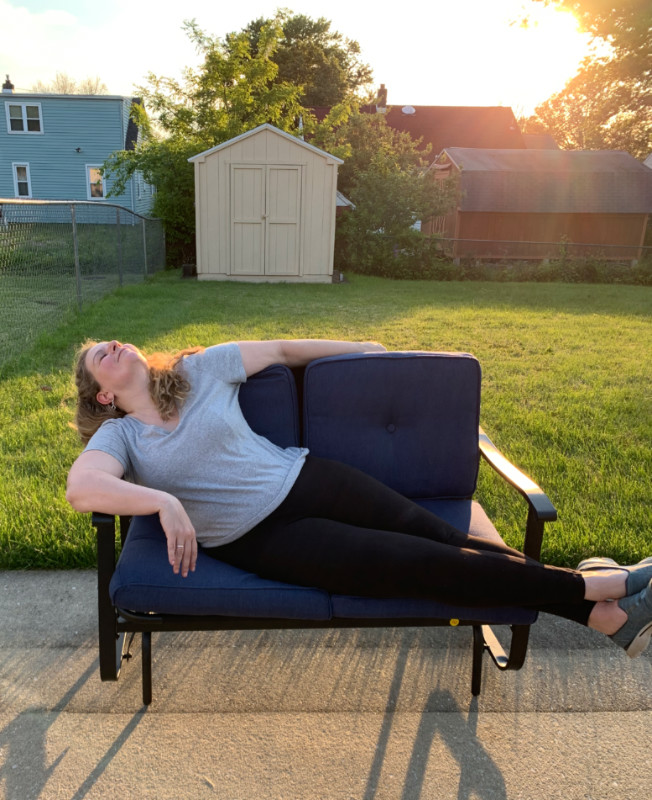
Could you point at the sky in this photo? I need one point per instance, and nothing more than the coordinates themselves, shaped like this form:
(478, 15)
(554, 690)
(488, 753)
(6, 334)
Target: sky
(465, 52)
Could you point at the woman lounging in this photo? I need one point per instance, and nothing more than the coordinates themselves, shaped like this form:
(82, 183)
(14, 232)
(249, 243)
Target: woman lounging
(172, 426)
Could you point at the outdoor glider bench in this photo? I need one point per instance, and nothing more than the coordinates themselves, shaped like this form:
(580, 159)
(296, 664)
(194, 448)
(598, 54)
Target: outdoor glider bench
(410, 419)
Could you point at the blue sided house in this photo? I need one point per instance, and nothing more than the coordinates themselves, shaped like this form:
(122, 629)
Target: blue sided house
(52, 147)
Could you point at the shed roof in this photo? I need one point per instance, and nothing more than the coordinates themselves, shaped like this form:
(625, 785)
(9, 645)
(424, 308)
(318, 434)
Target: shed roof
(263, 127)
(451, 126)
(552, 181)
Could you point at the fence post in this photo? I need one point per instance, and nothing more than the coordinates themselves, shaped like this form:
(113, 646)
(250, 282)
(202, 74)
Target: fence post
(117, 222)
(75, 245)
(145, 245)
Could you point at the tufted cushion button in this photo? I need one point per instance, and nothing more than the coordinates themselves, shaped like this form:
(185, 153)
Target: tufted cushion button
(391, 428)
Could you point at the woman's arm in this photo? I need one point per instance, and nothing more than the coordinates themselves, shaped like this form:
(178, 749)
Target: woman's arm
(297, 352)
(95, 484)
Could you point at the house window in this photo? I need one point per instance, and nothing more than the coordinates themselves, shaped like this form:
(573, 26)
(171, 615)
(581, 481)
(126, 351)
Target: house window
(24, 118)
(22, 182)
(94, 183)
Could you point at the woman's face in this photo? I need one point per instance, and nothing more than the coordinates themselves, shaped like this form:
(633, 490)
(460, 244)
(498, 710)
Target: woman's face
(114, 365)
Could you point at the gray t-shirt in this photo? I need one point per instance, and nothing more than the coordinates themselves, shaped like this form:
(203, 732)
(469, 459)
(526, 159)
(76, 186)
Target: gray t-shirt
(227, 477)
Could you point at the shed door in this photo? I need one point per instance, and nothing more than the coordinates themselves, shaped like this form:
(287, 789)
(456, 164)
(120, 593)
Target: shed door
(247, 220)
(265, 219)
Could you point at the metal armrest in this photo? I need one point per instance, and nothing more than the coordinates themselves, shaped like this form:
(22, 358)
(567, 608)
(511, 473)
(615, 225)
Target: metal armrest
(536, 497)
(541, 510)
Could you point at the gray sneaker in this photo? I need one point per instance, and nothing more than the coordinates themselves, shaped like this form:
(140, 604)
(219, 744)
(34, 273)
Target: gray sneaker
(638, 575)
(634, 635)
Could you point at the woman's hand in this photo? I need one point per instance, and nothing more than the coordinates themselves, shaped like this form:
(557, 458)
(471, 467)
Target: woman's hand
(180, 534)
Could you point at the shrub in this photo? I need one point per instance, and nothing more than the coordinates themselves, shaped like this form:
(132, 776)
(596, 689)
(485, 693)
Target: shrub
(417, 257)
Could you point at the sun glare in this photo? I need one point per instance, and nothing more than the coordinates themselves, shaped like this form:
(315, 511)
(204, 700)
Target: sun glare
(507, 57)
(545, 53)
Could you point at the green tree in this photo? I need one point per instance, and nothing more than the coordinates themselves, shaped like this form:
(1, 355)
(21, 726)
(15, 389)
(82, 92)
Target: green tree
(360, 139)
(309, 54)
(608, 104)
(232, 92)
(380, 236)
(597, 110)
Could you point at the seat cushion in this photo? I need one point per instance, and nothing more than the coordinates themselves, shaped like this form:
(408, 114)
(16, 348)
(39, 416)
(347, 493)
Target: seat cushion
(409, 419)
(144, 581)
(467, 516)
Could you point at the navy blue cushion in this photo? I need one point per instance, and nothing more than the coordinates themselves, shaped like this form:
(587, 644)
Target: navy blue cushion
(365, 608)
(465, 515)
(409, 419)
(269, 403)
(144, 581)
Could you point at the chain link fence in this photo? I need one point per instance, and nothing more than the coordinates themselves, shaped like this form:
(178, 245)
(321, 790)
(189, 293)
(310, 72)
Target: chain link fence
(56, 256)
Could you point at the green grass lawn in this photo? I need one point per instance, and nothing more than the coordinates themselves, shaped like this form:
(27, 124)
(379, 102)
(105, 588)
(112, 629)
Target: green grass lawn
(566, 376)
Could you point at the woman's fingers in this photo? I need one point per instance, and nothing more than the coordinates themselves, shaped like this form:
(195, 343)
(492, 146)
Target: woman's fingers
(180, 534)
(185, 556)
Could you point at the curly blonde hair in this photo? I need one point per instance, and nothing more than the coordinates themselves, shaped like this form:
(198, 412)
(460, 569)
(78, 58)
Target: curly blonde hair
(168, 389)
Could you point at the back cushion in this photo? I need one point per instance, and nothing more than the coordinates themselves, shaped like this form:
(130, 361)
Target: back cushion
(409, 419)
(269, 403)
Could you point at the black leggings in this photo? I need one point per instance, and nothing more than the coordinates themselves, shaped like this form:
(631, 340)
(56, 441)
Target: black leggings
(345, 532)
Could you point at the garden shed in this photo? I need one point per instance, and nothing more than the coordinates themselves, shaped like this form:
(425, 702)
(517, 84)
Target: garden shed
(265, 209)
(535, 204)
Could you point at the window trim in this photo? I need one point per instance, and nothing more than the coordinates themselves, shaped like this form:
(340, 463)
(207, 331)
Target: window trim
(89, 167)
(24, 106)
(14, 170)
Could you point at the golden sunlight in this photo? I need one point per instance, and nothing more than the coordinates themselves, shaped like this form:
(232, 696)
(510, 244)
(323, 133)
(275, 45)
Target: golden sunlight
(545, 51)
(515, 53)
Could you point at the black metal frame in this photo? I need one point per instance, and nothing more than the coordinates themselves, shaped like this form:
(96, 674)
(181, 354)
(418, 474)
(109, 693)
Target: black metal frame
(114, 622)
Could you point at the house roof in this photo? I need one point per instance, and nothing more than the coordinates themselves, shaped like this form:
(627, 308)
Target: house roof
(451, 126)
(263, 127)
(22, 96)
(552, 181)
(539, 141)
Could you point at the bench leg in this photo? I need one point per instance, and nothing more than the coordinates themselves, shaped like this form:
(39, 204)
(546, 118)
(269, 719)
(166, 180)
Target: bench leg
(147, 666)
(485, 639)
(478, 652)
(517, 650)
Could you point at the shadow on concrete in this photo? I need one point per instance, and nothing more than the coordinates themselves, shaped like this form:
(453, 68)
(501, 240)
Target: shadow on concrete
(479, 775)
(23, 742)
(386, 728)
(110, 754)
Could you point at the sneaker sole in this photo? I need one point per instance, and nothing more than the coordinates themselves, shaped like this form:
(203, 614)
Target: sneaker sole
(590, 564)
(640, 641)
(597, 562)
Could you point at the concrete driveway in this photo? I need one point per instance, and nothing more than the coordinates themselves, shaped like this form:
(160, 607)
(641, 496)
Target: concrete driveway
(310, 715)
